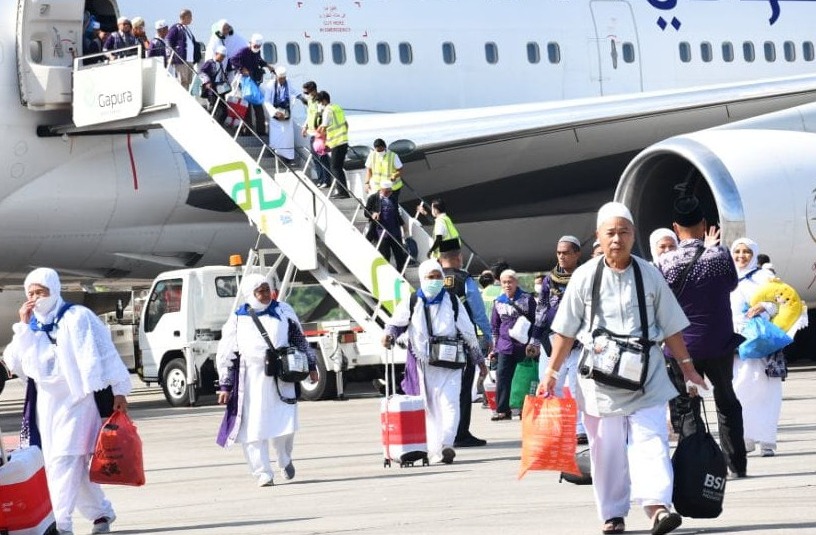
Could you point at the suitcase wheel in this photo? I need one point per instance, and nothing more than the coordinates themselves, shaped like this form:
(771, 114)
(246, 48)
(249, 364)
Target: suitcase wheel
(386, 463)
(425, 461)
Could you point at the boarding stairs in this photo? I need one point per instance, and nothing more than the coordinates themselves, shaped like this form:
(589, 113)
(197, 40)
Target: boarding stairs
(317, 234)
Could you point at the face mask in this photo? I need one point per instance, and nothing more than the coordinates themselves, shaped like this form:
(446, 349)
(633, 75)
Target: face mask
(44, 305)
(431, 287)
(537, 288)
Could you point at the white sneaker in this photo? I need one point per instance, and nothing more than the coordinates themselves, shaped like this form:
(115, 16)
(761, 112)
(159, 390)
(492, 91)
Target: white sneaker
(103, 524)
(767, 450)
(265, 480)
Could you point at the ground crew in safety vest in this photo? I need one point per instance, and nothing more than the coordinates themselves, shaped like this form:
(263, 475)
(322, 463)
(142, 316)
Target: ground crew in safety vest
(313, 119)
(335, 126)
(443, 226)
(383, 165)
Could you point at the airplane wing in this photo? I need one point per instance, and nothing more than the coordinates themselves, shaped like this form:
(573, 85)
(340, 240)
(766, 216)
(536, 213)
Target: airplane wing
(546, 168)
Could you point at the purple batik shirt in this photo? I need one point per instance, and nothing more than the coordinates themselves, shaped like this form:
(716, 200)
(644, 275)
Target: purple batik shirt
(705, 298)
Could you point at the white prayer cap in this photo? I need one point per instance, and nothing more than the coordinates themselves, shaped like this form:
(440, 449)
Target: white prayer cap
(429, 266)
(658, 235)
(280, 71)
(138, 21)
(161, 23)
(613, 209)
(252, 282)
(256, 39)
(386, 184)
(221, 49)
(44, 277)
(570, 239)
(508, 273)
(123, 20)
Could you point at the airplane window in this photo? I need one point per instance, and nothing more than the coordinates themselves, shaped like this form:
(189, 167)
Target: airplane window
(728, 52)
(628, 52)
(293, 53)
(338, 53)
(807, 50)
(705, 51)
(554, 53)
(383, 53)
(770, 51)
(748, 51)
(491, 53)
(448, 53)
(316, 53)
(361, 53)
(406, 53)
(533, 52)
(685, 52)
(790, 51)
(269, 52)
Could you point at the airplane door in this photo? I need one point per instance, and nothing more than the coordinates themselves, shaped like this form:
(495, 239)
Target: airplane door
(49, 35)
(618, 48)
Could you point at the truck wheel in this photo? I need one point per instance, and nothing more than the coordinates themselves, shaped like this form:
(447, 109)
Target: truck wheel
(324, 388)
(174, 383)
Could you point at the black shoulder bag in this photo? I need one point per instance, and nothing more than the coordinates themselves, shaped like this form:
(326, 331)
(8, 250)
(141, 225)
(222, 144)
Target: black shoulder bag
(285, 364)
(445, 351)
(680, 283)
(613, 359)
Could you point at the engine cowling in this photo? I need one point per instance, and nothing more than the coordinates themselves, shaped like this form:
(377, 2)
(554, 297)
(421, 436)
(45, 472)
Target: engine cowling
(752, 182)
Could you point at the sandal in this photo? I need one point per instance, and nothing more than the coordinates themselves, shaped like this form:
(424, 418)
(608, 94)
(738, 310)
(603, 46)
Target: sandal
(501, 416)
(614, 525)
(665, 521)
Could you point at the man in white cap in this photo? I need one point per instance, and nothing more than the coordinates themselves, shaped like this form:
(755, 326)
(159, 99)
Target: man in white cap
(278, 98)
(568, 253)
(215, 75)
(386, 224)
(224, 34)
(249, 62)
(609, 299)
(439, 386)
(67, 355)
(158, 45)
(123, 38)
(183, 48)
(261, 410)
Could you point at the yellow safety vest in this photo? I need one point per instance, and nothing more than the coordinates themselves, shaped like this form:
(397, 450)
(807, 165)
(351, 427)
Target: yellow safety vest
(311, 115)
(337, 132)
(382, 168)
(452, 232)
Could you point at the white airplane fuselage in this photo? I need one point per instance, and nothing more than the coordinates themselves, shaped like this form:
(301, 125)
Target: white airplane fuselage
(115, 206)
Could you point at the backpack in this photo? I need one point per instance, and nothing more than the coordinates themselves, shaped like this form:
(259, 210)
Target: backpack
(584, 465)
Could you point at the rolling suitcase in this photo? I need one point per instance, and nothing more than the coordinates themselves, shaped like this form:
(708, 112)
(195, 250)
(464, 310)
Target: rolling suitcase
(25, 507)
(402, 420)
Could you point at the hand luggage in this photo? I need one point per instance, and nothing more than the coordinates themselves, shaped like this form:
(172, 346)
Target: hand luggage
(584, 463)
(236, 111)
(402, 420)
(25, 506)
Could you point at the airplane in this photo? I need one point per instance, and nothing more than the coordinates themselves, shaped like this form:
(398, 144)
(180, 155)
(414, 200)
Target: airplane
(522, 114)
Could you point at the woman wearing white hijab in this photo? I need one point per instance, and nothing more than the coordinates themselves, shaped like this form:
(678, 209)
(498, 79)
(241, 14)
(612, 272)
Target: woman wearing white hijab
(260, 409)
(223, 34)
(68, 353)
(662, 241)
(438, 386)
(760, 395)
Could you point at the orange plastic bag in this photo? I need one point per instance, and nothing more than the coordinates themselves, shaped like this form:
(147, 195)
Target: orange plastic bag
(117, 459)
(548, 434)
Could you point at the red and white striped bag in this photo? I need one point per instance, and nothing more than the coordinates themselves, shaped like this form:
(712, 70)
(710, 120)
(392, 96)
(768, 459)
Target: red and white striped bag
(236, 110)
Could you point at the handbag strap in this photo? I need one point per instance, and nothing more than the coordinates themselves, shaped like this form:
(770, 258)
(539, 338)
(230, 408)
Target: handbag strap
(683, 278)
(641, 297)
(261, 328)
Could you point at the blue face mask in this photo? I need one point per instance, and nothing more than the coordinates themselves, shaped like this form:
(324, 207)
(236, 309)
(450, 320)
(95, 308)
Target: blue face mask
(431, 287)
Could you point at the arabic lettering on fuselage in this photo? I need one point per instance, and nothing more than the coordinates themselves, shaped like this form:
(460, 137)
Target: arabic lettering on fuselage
(668, 5)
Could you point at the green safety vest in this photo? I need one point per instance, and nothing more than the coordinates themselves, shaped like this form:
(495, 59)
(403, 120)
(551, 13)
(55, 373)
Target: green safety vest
(452, 232)
(382, 168)
(311, 115)
(337, 132)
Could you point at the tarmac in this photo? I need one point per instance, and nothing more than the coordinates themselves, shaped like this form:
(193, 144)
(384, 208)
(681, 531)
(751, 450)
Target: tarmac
(341, 486)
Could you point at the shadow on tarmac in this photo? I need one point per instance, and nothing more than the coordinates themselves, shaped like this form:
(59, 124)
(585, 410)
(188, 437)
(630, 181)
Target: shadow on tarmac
(220, 525)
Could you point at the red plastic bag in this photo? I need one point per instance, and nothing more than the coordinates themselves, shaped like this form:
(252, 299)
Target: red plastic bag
(236, 111)
(117, 459)
(548, 434)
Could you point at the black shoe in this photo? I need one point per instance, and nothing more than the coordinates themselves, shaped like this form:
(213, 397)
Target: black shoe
(447, 455)
(470, 442)
(581, 439)
(736, 475)
(339, 195)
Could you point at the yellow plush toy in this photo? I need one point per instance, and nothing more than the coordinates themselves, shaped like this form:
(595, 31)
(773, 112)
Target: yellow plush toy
(789, 303)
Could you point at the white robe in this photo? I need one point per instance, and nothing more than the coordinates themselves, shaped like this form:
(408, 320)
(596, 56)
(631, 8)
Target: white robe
(281, 133)
(261, 413)
(759, 395)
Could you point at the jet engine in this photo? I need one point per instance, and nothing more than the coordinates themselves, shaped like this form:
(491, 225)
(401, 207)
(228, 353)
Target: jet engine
(754, 182)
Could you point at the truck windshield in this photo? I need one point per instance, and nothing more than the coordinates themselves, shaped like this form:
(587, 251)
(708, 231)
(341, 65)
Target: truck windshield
(165, 298)
(226, 286)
